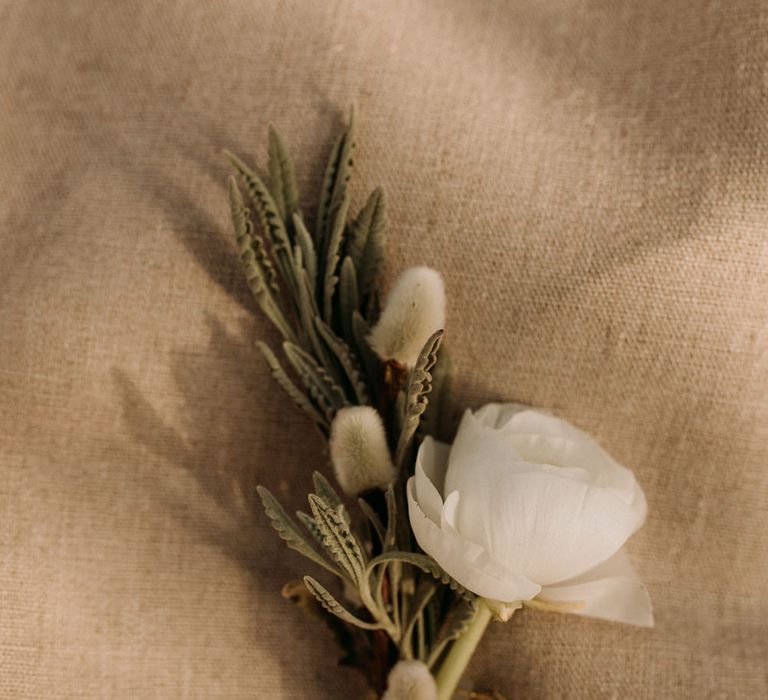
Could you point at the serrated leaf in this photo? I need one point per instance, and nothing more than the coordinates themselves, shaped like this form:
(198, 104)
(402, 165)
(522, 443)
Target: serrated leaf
(259, 272)
(370, 216)
(290, 533)
(346, 359)
(353, 641)
(332, 605)
(298, 397)
(322, 388)
(427, 564)
(304, 241)
(307, 309)
(388, 543)
(365, 244)
(247, 240)
(281, 177)
(329, 494)
(270, 218)
(437, 418)
(331, 259)
(338, 539)
(337, 175)
(325, 490)
(349, 301)
(309, 522)
(418, 388)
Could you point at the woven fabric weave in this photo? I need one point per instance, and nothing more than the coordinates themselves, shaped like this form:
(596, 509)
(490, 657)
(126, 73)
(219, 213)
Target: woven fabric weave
(589, 177)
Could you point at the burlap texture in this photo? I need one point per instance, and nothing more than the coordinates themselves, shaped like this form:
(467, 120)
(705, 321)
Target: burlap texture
(591, 179)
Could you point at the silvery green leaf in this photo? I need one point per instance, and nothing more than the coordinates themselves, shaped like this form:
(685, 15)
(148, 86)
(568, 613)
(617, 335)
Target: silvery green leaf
(246, 239)
(270, 218)
(320, 385)
(418, 387)
(309, 522)
(338, 539)
(331, 259)
(259, 272)
(426, 564)
(388, 543)
(307, 309)
(333, 606)
(438, 417)
(346, 359)
(337, 175)
(298, 397)
(304, 241)
(366, 241)
(330, 495)
(354, 642)
(289, 531)
(282, 178)
(325, 490)
(348, 299)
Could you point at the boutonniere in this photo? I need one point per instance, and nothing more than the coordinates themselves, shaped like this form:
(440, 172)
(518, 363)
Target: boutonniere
(416, 540)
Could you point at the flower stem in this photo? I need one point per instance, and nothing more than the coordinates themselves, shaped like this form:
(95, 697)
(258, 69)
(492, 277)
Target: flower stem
(458, 657)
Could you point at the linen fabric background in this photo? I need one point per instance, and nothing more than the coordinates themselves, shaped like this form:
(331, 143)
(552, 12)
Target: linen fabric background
(590, 177)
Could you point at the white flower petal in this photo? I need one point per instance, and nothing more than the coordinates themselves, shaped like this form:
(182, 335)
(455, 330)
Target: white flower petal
(450, 508)
(543, 438)
(545, 521)
(431, 465)
(589, 458)
(478, 455)
(527, 500)
(497, 415)
(545, 527)
(539, 436)
(466, 561)
(611, 591)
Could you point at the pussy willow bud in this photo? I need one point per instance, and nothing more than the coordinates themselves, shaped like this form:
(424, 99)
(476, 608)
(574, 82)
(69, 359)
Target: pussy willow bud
(410, 680)
(414, 310)
(359, 451)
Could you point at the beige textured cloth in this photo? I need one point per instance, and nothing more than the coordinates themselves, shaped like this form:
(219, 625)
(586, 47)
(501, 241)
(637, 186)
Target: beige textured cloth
(589, 176)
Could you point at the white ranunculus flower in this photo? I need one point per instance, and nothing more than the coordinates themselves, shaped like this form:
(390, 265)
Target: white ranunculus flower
(525, 506)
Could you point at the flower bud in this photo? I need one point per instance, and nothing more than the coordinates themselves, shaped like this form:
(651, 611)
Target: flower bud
(414, 310)
(410, 680)
(359, 451)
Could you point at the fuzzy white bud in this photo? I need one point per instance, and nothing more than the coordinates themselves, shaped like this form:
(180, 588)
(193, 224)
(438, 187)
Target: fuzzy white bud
(359, 451)
(410, 680)
(414, 310)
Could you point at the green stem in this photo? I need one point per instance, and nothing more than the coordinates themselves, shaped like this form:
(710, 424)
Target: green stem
(458, 657)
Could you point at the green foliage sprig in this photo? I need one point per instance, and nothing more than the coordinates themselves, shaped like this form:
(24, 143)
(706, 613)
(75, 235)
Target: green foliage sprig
(318, 286)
